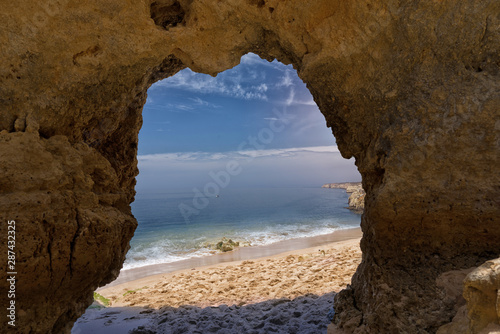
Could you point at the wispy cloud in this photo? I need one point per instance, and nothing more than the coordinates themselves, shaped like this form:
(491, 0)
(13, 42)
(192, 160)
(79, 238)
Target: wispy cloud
(291, 98)
(309, 102)
(189, 105)
(283, 152)
(234, 85)
(200, 102)
(272, 167)
(181, 107)
(236, 155)
(252, 59)
(173, 107)
(286, 80)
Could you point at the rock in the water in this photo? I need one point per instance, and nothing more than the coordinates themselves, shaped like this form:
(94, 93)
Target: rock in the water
(226, 245)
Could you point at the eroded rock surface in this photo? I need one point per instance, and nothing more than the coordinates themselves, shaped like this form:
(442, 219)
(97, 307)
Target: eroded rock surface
(481, 289)
(482, 292)
(357, 200)
(348, 186)
(73, 226)
(410, 89)
(357, 195)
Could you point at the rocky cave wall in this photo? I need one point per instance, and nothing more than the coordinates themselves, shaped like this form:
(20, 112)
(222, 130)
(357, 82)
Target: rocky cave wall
(410, 89)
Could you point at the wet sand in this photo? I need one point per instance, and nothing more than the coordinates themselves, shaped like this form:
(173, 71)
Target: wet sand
(316, 270)
(240, 254)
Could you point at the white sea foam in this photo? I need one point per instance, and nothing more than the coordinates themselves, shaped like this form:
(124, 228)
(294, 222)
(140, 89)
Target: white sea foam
(168, 251)
(260, 216)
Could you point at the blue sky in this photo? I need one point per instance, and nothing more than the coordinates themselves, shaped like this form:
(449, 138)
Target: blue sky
(258, 115)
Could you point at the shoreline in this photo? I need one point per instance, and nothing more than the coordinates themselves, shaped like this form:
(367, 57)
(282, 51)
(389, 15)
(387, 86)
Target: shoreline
(299, 245)
(291, 291)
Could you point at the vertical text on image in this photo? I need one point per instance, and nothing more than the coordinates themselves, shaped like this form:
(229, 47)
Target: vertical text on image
(11, 272)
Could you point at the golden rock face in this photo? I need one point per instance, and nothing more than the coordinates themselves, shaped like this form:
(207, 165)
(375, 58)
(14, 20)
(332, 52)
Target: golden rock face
(410, 89)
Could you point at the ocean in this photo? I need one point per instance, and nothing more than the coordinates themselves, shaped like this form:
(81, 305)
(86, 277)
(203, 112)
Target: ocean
(250, 216)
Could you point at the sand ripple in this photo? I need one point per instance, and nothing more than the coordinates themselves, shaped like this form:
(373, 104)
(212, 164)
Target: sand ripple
(248, 282)
(289, 293)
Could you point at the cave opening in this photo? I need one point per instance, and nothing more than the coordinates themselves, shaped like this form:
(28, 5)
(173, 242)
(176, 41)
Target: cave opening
(231, 168)
(204, 139)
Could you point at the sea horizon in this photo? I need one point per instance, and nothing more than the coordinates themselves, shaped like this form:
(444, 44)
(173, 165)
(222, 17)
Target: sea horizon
(251, 216)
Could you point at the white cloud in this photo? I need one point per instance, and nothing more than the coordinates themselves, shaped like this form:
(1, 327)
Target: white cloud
(262, 88)
(286, 80)
(232, 84)
(252, 59)
(311, 166)
(291, 97)
(288, 151)
(191, 105)
(309, 102)
(235, 155)
(200, 102)
(174, 157)
(182, 107)
(173, 107)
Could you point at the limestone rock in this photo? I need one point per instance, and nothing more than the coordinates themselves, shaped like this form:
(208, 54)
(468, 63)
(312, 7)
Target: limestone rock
(482, 292)
(411, 90)
(348, 186)
(71, 235)
(481, 289)
(356, 200)
(226, 245)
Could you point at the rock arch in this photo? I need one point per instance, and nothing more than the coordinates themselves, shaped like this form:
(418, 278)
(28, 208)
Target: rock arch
(410, 89)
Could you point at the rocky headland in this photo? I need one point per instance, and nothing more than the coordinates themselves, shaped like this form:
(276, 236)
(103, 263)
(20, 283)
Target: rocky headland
(356, 201)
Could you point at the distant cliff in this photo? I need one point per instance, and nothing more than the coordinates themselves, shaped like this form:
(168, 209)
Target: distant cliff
(356, 199)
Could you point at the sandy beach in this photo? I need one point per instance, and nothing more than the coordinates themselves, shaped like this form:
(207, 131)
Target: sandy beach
(244, 295)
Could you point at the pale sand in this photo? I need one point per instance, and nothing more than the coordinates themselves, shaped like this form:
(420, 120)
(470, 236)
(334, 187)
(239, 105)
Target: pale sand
(291, 292)
(240, 254)
(286, 275)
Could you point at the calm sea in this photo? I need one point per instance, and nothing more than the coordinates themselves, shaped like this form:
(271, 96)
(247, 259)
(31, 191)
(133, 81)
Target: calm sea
(250, 216)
